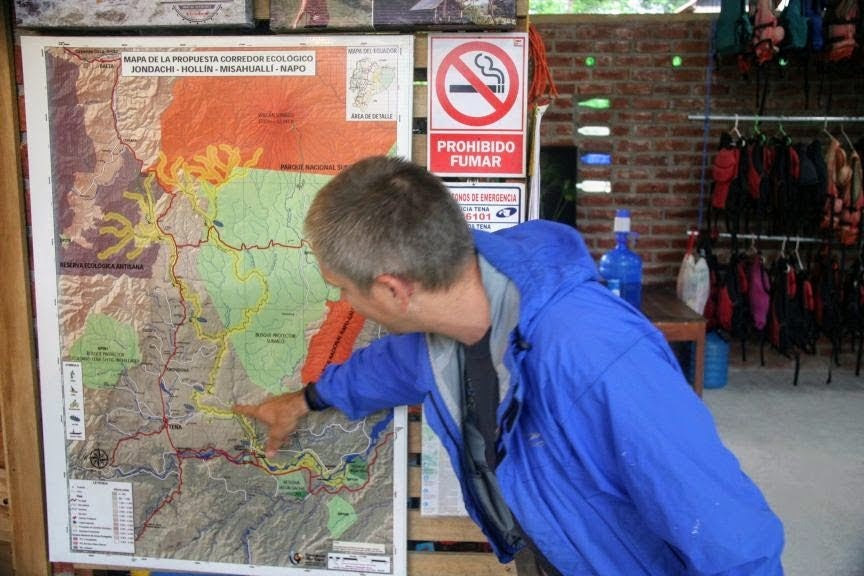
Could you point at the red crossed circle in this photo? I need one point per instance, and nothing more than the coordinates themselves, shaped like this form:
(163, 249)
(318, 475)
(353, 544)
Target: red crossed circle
(500, 107)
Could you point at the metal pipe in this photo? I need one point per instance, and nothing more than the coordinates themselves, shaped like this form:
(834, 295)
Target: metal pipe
(793, 239)
(751, 118)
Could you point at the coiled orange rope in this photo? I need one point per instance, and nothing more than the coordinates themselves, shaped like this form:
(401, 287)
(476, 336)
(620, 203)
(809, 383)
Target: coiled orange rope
(542, 89)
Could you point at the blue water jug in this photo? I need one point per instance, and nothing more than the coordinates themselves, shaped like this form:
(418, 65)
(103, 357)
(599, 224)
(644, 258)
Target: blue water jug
(621, 268)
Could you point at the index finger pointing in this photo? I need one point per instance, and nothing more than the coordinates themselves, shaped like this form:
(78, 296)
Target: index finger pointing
(245, 409)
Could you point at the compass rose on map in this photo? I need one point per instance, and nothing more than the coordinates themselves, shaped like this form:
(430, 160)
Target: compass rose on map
(98, 458)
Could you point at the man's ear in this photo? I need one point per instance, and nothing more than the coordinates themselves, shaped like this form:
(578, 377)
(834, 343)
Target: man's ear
(399, 288)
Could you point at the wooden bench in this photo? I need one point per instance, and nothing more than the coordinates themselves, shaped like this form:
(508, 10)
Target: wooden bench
(678, 323)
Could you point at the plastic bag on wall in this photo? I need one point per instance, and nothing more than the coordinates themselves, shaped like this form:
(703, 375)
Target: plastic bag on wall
(694, 280)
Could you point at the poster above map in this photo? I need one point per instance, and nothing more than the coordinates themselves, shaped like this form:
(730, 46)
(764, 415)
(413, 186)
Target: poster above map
(135, 14)
(306, 15)
(169, 180)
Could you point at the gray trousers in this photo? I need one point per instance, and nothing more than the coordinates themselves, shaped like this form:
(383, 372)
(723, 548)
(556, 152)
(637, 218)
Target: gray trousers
(530, 562)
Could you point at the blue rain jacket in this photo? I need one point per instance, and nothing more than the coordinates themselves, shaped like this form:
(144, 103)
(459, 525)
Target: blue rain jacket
(611, 464)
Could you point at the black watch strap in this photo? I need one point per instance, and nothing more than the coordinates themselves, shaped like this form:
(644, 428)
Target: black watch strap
(313, 400)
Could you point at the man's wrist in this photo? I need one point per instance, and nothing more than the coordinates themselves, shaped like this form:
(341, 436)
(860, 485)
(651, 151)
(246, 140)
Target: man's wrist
(313, 400)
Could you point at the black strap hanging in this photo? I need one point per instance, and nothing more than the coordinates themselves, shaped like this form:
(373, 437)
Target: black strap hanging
(481, 394)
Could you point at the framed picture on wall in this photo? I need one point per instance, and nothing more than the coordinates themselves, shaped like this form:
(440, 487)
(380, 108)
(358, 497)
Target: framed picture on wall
(312, 15)
(95, 14)
(405, 15)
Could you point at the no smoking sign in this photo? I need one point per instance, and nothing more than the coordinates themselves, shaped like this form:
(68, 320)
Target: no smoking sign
(477, 104)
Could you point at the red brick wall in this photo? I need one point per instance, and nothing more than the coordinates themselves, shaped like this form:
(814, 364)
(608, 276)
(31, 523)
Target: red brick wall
(657, 152)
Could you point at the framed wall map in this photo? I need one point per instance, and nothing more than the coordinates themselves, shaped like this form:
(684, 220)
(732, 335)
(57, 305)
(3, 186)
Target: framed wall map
(169, 179)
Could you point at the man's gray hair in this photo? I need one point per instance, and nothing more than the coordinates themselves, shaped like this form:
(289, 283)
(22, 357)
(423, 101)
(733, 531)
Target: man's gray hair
(386, 215)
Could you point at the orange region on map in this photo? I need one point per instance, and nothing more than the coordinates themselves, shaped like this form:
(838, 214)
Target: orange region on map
(251, 112)
(334, 342)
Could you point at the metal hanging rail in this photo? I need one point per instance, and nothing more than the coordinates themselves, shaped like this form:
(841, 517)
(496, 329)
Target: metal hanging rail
(760, 237)
(736, 118)
(755, 118)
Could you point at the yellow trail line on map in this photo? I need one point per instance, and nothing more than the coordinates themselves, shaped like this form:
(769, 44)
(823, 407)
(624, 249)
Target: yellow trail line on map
(206, 174)
(248, 316)
(142, 234)
(209, 173)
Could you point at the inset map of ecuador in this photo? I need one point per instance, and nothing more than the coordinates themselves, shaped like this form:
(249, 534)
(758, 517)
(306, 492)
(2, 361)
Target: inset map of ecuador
(169, 180)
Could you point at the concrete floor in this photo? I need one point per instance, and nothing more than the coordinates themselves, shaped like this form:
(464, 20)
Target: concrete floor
(804, 446)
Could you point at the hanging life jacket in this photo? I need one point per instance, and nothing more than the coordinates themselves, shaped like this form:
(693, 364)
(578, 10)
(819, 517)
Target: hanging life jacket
(817, 158)
(734, 29)
(795, 22)
(804, 326)
(827, 283)
(783, 280)
(729, 183)
(767, 32)
(784, 197)
(853, 307)
(838, 175)
(759, 294)
(760, 160)
(710, 309)
(815, 36)
(808, 201)
(853, 202)
(842, 19)
(791, 326)
(725, 171)
(732, 314)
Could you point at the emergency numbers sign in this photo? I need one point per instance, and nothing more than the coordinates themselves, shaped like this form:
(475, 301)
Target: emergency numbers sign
(477, 104)
(490, 206)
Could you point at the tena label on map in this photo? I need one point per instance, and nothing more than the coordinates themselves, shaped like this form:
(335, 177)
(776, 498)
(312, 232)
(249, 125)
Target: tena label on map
(358, 563)
(73, 395)
(219, 63)
(102, 516)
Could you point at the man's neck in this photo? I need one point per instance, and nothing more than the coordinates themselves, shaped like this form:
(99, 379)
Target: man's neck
(461, 311)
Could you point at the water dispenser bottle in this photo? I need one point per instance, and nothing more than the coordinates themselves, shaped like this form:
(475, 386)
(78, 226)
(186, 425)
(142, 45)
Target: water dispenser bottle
(621, 268)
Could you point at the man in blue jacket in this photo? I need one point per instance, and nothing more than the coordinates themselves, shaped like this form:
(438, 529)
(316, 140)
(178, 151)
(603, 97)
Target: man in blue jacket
(564, 412)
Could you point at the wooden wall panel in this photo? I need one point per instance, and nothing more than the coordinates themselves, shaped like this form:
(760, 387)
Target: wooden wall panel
(18, 391)
(457, 563)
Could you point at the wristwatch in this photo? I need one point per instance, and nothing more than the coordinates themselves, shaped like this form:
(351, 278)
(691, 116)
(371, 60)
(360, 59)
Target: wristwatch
(313, 400)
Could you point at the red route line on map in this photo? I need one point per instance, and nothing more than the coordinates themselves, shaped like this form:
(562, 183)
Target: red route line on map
(113, 96)
(164, 427)
(311, 475)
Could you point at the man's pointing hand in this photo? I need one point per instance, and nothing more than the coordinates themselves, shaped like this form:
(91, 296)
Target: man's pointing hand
(280, 414)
